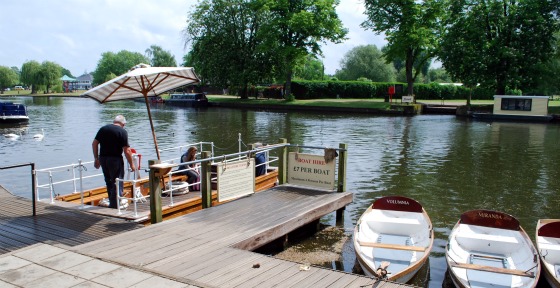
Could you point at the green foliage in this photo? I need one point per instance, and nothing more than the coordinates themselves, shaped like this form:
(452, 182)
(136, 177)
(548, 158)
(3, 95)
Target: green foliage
(411, 31)
(8, 78)
(49, 74)
(159, 57)
(310, 68)
(30, 74)
(365, 61)
(226, 38)
(497, 43)
(64, 71)
(116, 64)
(367, 90)
(296, 28)
(438, 75)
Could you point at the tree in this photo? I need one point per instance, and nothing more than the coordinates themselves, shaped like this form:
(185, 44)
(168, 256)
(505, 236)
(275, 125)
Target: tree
(117, 64)
(296, 29)
(438, 75)
(365, 61)
(8, 78)
(226, 41)
(64, 71)
(30, 75)
(159, 57)
(498, 43)
(49, 74)
(411, 31)
(310, 68)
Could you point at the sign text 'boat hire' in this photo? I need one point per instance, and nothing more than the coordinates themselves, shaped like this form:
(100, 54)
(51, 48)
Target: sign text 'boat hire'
(310, 170)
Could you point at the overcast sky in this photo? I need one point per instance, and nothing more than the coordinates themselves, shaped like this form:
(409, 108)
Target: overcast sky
(74, 33)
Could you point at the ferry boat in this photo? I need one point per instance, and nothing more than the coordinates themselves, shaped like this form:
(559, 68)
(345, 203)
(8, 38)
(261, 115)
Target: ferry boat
(178, 196)
(13, 113)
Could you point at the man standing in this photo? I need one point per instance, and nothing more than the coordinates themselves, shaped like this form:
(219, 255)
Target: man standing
(113, 140)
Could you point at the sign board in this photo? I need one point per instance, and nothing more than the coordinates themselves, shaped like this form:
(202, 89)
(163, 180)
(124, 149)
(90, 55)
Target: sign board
(399, 89)
(310, 170)
(235, 179)
(407, 99)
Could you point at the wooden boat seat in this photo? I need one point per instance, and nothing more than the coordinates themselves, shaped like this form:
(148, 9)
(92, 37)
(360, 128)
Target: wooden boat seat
(492, 269)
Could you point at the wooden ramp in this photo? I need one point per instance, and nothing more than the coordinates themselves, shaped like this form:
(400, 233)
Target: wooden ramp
(208, 248)
(52, 225)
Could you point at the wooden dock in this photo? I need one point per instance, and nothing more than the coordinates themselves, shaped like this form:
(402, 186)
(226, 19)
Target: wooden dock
(52, 225)
(212, 247)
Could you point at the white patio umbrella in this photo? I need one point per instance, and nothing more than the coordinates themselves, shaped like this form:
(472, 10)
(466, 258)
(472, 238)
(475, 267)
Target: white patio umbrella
(144, 81)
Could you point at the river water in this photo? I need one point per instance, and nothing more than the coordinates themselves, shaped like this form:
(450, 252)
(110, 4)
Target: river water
(448, 164)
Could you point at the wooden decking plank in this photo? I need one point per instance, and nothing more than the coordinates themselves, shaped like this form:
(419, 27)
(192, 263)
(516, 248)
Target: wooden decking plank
(151, 258)
(330, 278)
(343, 281)
(189, 262)
(227, 266)
(42, 226)
(225, 279)
(31, 236)
(270, 274)
(265, 266)
(210, 263)
(314, 274)
(362, 282)
(53, 224)
(292, 269)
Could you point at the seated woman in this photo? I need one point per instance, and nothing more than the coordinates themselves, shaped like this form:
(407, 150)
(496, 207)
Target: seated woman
(260, 158)
(192, 173)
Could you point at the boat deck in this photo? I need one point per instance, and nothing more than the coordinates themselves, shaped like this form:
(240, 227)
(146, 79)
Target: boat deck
(207, 248)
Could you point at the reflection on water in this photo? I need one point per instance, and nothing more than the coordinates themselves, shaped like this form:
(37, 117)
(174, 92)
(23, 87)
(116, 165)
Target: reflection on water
(449, 165)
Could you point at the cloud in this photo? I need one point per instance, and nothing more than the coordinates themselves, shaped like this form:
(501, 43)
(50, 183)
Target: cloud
(74, 34)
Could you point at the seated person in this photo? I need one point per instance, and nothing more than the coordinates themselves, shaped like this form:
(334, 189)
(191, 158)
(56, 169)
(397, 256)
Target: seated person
(192, 174)
(260, 158)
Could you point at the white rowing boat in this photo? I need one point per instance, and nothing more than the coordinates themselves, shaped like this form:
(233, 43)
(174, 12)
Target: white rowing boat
(548, 245)
(490, 249)
(394, 231)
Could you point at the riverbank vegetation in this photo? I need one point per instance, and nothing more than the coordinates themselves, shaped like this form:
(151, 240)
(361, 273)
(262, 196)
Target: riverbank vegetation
(492, 47)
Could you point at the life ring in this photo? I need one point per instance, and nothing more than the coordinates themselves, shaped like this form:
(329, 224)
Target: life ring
(179, 188)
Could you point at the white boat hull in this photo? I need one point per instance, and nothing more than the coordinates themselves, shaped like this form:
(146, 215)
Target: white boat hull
(548, 245)
(478, 255)
(402, 238)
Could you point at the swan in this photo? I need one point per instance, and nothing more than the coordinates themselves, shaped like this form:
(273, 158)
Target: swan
(12, 136)
(40, 136)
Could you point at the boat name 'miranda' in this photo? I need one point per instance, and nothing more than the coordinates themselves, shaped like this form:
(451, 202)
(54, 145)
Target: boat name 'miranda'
(490, 215)
(397, 202)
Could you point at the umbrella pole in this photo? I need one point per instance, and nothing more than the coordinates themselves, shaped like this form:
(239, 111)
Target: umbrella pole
(151, 124)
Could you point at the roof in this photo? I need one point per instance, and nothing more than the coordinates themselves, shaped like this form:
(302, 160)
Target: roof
(67, 78)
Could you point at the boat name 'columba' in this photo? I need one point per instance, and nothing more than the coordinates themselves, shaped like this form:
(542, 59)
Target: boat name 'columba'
(397, 202)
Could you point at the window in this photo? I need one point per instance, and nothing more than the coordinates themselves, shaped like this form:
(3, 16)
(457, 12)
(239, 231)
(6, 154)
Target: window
(516, 104)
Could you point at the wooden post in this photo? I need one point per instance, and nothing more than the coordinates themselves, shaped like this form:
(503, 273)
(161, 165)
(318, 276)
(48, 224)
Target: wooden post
(282, 162)
(342, 167)
(155, 193)
(205, 182)
(341, 187)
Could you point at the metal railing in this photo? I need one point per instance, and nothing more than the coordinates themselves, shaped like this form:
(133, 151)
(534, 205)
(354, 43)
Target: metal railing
(77, 177)
(34, 191)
